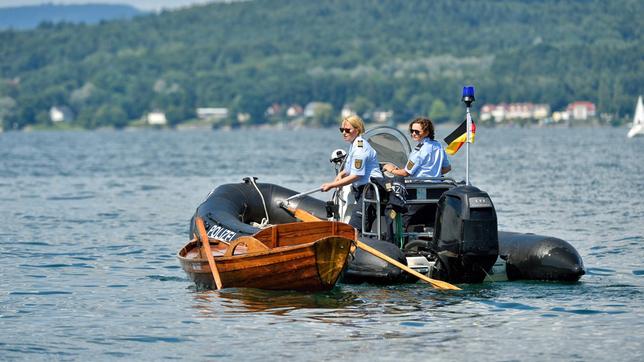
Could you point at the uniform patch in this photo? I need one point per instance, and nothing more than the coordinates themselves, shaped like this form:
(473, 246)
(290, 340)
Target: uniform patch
(410, 165)
(360, 143)
(357, 164)
(392, 214)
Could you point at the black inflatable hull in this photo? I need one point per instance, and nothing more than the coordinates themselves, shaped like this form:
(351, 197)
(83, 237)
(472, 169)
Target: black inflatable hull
(234, 207)
(538, 257)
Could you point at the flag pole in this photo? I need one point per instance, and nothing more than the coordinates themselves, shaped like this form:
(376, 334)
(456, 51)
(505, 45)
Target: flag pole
(467, 146)
(468, 98)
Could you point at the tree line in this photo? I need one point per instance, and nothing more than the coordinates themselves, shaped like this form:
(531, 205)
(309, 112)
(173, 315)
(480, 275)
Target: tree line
(410, 56)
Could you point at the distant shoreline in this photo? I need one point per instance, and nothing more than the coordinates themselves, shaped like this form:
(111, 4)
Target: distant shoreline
(193, 127)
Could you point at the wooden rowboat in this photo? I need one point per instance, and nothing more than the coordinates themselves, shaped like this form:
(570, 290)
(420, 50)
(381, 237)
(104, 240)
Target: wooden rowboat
(297, 256)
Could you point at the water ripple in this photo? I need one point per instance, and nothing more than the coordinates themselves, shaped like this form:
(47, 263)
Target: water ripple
(71, 197)
(586, 311)
(518, 306)
(165, 278)
(152, 339)
(599, 271)
(59, 265)
(40, 292)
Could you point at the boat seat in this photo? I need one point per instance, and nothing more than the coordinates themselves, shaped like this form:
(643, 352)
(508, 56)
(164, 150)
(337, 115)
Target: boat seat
(253, 245)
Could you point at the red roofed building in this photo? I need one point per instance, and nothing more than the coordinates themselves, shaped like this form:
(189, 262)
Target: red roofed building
(581, 110)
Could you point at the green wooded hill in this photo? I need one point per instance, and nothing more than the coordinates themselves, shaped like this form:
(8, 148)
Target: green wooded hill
(412, 56)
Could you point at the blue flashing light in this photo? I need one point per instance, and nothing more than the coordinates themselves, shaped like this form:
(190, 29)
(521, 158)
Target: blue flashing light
(468, 91)
(468, 95)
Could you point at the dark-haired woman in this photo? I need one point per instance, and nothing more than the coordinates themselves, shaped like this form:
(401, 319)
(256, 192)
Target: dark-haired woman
(428, 159)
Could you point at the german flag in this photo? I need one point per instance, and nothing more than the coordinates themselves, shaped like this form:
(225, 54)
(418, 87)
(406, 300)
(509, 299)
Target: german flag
(456, 139)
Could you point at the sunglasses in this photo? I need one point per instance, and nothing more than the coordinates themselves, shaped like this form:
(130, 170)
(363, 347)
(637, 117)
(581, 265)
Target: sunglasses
(415, 131)
(345, 130)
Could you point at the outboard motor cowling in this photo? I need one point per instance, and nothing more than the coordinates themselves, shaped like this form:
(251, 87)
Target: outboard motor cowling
(466, 238)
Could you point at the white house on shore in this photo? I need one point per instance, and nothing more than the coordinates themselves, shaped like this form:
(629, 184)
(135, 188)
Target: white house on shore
(382, 116)
(347, 111)
(60, 114)
(295, 110)
(212, 113)
(514, 111)
(156, 119)
(312, 108)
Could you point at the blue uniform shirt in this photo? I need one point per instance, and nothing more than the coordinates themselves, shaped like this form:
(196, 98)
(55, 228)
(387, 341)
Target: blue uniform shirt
(362, 161)
(427, 159)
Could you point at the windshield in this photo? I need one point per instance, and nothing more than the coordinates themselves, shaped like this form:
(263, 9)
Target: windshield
(390, 144)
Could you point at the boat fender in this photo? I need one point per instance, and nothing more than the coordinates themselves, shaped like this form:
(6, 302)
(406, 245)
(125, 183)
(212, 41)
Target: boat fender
(539, 257)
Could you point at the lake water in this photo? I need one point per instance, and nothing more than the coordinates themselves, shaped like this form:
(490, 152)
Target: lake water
(90, 223)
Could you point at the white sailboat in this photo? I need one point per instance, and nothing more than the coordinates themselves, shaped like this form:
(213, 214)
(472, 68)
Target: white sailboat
(638, 120)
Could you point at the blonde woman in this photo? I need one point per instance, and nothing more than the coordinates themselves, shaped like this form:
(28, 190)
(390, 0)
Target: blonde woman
(361, 164)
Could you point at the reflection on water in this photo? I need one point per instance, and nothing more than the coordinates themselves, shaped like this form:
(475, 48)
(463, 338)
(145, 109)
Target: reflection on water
(249, 300)
(343, 305)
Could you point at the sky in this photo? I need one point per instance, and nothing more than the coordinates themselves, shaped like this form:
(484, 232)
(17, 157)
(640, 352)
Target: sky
(147, 5)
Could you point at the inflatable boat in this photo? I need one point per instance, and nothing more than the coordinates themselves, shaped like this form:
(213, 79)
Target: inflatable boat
(453, 237)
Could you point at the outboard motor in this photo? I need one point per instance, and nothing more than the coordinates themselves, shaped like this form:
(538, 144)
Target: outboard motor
(466, 238)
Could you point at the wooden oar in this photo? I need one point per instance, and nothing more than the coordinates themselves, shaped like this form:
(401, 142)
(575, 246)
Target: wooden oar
(203, 236)
(438, 284)
(299, 213)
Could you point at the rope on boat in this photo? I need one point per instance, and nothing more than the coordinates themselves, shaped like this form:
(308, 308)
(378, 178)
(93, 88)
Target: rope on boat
(265, 220)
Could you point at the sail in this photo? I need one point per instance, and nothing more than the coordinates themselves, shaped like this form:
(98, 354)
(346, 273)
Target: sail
(639, 113)
(638, 120)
